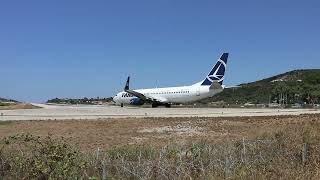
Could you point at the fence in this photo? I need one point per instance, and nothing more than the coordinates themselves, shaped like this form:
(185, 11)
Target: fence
(233, 160)
(27, 157)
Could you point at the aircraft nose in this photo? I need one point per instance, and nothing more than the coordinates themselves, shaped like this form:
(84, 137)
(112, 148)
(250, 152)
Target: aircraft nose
(114, 99)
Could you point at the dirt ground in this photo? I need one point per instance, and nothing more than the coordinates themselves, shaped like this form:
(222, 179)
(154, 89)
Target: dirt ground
(158, 132)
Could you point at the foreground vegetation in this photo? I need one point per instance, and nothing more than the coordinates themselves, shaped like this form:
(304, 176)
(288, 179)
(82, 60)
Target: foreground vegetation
(286, 154)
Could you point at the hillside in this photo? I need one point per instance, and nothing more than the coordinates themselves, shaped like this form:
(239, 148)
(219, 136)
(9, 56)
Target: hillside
(85, 100)
(9, 104)
(6, 100)
(296, 86)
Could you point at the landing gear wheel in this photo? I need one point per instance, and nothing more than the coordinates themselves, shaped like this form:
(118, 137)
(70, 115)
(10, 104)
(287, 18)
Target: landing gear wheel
(121, 105)
(168, 105)
(154, 105)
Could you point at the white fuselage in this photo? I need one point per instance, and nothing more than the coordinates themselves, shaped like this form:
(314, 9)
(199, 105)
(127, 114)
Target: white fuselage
(211, 85)
(178, 95)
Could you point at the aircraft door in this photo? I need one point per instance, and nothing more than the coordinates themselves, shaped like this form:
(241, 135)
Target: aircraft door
(198, 91)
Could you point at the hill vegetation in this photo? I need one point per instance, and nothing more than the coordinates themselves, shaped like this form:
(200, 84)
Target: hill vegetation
(80, 101)
(298, 86)
(9, 104)
(6, 100)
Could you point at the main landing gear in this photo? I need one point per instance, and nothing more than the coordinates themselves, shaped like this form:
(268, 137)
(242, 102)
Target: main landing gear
(155, 105)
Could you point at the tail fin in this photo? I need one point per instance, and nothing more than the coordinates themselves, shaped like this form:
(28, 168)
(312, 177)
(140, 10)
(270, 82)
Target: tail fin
(217, 73)
(127, 87)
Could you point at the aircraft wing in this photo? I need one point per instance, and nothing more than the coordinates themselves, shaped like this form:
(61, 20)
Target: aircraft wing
(148, 99)
(232, 87)
(137, 94)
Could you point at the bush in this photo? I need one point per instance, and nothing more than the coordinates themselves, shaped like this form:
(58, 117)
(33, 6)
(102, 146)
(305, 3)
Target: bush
(271, 156)
(29, 157)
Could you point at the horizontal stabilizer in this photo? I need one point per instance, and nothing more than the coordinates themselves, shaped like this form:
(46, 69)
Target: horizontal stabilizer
(216, 85)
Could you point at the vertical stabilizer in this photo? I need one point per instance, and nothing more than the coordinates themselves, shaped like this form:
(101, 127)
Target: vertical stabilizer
(218, 71)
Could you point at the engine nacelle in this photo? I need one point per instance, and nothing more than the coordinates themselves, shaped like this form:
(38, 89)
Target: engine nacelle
(136, 101)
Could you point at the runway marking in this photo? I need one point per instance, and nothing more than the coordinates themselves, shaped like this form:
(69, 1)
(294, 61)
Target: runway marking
(49, 112)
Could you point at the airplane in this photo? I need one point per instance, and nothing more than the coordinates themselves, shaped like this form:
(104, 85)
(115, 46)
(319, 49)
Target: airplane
(210, 86)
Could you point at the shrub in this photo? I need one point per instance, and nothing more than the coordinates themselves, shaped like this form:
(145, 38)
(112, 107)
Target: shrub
(30, 157)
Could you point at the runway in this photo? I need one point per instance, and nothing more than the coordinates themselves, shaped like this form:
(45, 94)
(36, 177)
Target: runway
(83, 112)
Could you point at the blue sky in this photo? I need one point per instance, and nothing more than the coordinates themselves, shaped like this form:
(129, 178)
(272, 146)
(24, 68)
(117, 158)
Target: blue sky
(77, 48)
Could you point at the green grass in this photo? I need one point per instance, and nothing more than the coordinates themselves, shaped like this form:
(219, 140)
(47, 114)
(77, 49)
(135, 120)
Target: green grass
(4, 104)
(4, 123)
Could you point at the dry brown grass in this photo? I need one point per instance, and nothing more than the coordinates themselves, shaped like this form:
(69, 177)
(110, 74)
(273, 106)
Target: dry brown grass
(163, 148)
(158, 132)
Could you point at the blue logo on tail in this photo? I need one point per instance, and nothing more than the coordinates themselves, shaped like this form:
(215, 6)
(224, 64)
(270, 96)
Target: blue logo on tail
(217, 73)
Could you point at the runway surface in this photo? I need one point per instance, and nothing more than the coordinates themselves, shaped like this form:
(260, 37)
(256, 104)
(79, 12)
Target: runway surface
(55, 112)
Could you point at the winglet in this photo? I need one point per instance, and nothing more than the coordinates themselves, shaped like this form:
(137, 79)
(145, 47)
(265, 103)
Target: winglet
(127, 87)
